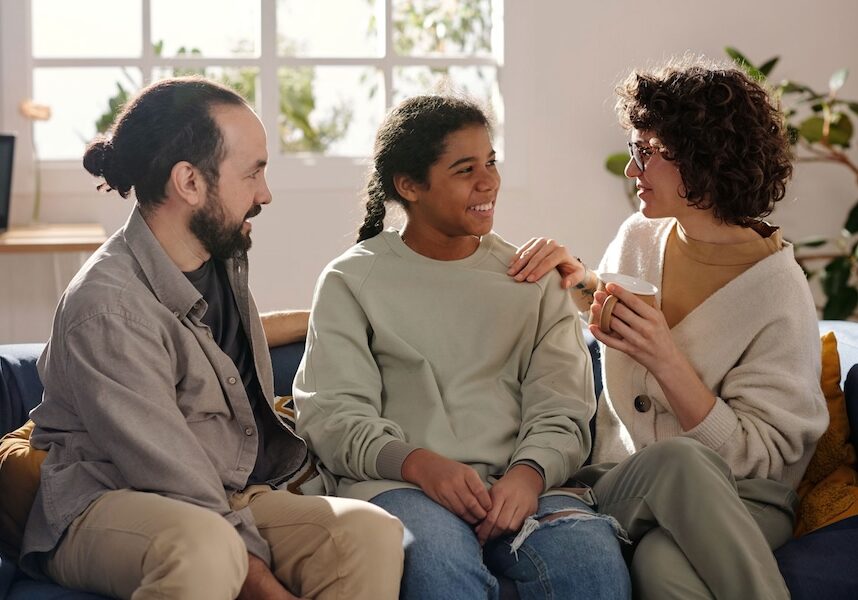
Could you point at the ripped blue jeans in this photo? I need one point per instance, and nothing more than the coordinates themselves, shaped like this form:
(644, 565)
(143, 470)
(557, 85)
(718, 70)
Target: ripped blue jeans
(574, 556)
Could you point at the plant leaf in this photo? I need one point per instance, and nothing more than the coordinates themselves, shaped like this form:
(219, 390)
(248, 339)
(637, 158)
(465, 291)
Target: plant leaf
(736, 55)
(840, 131)
(837, 80)
(836, 276)
(767, 66)
(852, 220)
(841, 305)
(745, 64)
(811, 242)
(791, 87)
(811, 129)
(616, 163)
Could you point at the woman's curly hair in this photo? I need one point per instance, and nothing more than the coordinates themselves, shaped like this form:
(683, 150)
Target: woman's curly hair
(721, 127)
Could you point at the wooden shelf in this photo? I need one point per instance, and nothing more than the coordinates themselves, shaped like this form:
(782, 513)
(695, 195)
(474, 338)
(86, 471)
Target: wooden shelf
(84, 237)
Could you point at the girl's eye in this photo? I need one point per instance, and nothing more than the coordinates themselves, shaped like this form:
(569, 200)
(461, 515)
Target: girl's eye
(466, 170)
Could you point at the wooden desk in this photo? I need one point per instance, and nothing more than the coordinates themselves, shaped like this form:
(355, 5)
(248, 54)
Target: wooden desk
(54, 239)
(85, 237)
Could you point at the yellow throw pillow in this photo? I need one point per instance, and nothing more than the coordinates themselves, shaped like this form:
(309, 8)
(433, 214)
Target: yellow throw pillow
(19, 482)
(829, 489)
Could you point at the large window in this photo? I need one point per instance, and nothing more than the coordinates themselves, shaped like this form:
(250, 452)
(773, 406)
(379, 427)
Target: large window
(321, 73)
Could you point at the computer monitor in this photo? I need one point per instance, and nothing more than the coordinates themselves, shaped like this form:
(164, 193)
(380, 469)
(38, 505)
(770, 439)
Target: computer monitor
(7, 153)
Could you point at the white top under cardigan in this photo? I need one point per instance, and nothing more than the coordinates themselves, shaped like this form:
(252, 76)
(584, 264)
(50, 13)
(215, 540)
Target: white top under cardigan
(754, 343)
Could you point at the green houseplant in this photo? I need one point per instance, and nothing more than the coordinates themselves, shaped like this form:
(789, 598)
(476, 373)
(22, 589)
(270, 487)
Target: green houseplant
(820, 126)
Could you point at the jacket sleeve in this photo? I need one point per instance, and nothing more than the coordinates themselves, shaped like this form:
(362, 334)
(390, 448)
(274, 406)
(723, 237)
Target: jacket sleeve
(338, 389)
(120, 377)
(557, 391)
(769, 411)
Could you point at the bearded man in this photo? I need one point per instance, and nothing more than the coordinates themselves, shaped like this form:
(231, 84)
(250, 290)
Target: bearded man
(165, 456)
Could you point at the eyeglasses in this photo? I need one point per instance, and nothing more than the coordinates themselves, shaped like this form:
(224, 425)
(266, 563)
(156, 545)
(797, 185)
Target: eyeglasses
(641, 154)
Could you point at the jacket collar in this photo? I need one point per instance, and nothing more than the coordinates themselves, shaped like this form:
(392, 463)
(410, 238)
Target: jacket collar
(167, 281)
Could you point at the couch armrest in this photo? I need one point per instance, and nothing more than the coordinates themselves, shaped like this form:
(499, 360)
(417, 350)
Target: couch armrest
(20, 387)
(285, 360)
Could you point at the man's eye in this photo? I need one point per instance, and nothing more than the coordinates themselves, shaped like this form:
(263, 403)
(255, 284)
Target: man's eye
(492, 163)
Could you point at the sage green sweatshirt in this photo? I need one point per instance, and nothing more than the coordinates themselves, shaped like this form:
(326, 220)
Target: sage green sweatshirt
(408, 352)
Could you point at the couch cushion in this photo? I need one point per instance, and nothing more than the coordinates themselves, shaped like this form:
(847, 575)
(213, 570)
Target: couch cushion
(850, 389)
(19, 482)
(20, 387)
(829, 488)
(822, 564)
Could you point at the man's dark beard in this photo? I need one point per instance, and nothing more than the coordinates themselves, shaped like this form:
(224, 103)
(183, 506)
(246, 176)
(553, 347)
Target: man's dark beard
(220, 239)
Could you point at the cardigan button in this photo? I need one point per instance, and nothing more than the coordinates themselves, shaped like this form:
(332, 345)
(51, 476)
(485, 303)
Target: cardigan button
(231, 380)
(643, 403)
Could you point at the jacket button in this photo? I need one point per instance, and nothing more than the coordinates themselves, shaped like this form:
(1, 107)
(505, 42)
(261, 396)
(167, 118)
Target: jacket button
(248, 431)
(642, 403)
(231, 380)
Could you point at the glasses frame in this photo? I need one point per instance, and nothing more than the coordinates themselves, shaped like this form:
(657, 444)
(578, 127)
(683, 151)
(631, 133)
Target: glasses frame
(637, 154)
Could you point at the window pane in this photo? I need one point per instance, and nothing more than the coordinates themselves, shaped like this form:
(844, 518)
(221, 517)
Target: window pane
(243, 80)
(442, 27)
(307, 29)
(330, 110)
(77, 117)
(212, 28)
(86, 28)
(479, 83)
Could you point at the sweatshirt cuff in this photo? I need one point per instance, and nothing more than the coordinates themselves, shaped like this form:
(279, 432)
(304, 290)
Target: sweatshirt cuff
(532, 464)
(389, 461)
(714, 431)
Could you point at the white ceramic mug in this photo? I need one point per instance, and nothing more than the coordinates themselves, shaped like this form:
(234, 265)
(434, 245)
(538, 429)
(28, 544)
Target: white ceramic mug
(639, 287)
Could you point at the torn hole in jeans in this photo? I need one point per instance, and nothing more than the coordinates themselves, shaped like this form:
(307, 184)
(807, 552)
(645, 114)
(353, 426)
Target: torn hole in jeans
(552, 519)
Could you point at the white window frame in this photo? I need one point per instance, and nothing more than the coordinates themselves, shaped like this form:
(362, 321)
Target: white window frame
(286, 172)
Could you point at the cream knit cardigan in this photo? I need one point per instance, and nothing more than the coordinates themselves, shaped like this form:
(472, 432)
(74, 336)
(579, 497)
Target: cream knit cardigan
(754, 343)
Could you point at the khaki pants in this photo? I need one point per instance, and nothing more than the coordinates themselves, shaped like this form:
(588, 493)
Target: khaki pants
(698, 533)
(140, 545)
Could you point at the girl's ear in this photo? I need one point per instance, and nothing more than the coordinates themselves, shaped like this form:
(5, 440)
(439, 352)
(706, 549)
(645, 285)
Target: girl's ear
(407, 187)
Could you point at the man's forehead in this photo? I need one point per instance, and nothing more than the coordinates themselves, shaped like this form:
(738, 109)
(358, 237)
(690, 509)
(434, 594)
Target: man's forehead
(242, 132)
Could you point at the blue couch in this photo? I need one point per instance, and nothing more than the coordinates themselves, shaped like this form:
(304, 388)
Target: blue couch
(818, 565)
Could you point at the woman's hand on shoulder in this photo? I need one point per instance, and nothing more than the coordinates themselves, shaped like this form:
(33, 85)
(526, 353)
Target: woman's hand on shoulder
(455, 486)
(539, 256)
(514, 498)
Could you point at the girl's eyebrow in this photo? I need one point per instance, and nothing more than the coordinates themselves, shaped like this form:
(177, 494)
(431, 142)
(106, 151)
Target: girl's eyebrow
(462, 160)
(470, 159)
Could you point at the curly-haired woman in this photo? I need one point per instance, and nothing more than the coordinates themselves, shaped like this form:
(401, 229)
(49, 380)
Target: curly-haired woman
(712, 406)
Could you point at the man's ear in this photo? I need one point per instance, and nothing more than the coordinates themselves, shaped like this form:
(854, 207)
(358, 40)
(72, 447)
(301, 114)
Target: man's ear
(407, 187)
(187, 183)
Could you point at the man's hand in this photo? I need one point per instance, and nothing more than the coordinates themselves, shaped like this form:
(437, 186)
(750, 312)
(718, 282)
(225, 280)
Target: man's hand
(451, 484)
(260, 583)
(514, 497)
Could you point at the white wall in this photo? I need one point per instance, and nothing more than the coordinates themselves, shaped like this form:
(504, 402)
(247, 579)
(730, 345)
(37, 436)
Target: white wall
(562, 59)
